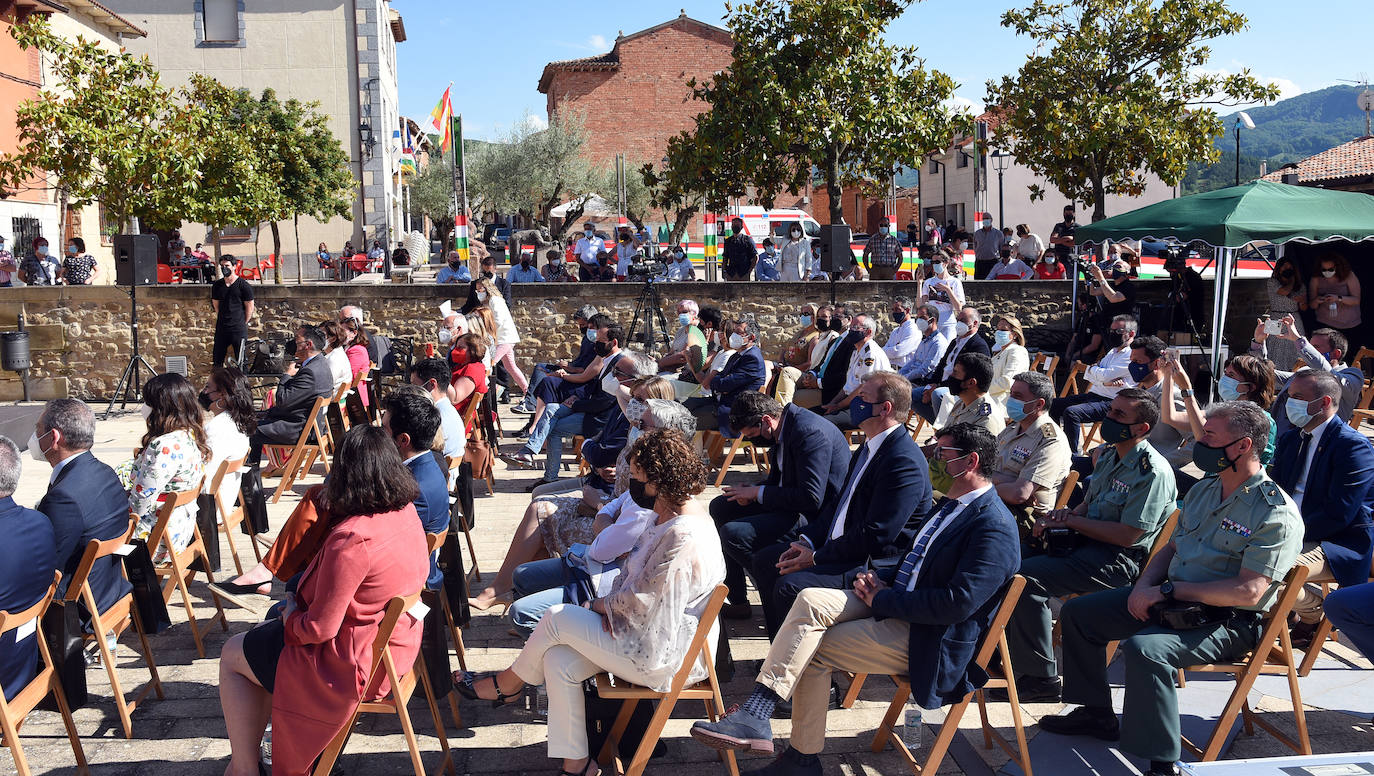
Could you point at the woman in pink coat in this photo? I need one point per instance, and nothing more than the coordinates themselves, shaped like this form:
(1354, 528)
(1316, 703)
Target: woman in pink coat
(321, 646)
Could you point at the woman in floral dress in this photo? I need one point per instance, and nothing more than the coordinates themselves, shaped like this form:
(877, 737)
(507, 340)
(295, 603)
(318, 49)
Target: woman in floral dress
(171, 459)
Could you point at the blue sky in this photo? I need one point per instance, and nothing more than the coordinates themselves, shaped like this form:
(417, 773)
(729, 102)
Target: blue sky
(495, 52)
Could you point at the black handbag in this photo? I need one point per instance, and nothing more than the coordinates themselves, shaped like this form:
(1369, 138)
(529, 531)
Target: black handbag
(464, 513)
(149, 606)
(62, 630)
(434, 645)
(601, 714)
(455, 578)
(254, 502)
(207, 522)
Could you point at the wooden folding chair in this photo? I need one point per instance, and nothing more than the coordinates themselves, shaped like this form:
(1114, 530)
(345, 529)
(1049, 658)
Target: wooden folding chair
(13, 712)
(177, 568)
(435, 541)
(115, 619)
(1363, 409)
(231, 515)
(707, 690)
(1071, 381)
(1066, 489)
(470, 421)
(1051, 364)
(301, 456)
(402, 687)
(994, 640)
(736, 445)
(1268, 657)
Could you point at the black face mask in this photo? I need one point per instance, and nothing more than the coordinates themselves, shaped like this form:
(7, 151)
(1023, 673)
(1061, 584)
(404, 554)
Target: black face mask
(486, 273)
(203, 398)
(854, 337)
(524, 264)
(822, 324)
(455, 264)
(226, 271)
(603, 348)
(838, 325)
(638, 493)
(1116, 338)
(955, 385)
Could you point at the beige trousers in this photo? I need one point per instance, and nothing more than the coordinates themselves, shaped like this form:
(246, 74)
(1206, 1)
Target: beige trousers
(1308, 607)
(814, 612)
(787, 391)
(864, 646)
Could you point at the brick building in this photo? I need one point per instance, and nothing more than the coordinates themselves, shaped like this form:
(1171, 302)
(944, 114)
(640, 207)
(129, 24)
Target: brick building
(636, 96)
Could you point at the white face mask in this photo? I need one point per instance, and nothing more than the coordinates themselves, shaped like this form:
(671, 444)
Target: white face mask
(591, 335)
(736, 341)
(445, 336)
(144, 411)
(796, 235)
(481, 296)
(36, 447)
(42, 250)
(960, 329)
(609, 384)
(922, 324)
(1328, 273)
(940, 270)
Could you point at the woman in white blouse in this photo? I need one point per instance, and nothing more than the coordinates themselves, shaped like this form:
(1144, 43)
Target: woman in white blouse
(1009, 357)
(228, 400)
(336, 353)
(642, 629)
(507, 336)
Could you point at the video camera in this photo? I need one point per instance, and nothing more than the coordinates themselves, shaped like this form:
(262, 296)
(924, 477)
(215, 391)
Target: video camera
(641, 268)
(1175, 258)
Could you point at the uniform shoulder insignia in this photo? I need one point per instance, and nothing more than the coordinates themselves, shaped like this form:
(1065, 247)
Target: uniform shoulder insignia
(1272, 495)
(984, 410)
(868, 362)
(1047, 428)
(1145, 465)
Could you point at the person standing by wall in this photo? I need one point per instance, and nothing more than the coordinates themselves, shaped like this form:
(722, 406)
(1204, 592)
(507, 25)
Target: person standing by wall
(232, 298)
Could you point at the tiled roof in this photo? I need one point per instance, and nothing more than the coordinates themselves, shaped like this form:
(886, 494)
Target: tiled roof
(1347, 160)
(611, 59)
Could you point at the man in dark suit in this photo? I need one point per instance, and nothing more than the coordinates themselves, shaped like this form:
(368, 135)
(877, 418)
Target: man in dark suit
(1327, 468)
(744, 372)
(886, 494)
(808, 459)
(28, 557)
(411, 419)
(85, 499)
(924, 618)
(307, 379)
(602, 450)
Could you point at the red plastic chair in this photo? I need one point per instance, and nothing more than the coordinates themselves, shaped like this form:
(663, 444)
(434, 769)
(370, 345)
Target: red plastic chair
(902, 275)
(166, 274)
(255, 272)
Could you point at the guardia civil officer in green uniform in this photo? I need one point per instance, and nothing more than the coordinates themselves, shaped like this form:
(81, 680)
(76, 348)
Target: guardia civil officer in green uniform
(1238, 536)
(1099, 545)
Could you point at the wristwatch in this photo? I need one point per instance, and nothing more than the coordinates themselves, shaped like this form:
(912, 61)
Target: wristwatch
(1167, 589)
(1186, 393)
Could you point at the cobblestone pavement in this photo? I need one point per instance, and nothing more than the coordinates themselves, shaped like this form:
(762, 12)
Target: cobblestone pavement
(183, 733)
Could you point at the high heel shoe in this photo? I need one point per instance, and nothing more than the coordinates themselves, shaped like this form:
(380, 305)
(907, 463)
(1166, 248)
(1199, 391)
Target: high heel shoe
(465, 683)
(504, 601)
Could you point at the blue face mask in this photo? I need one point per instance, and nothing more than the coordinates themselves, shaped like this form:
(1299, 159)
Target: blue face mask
(860, 410)
(1001, 337)
(1016, 410)
(1228, 388)
(591, 335)
(1297, 411)
(1138, 371)
(806, 320)
(684, 318)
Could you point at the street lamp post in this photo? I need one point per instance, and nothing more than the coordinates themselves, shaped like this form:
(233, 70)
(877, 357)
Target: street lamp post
(940, 168)
(1242, 120)
(1001, 158)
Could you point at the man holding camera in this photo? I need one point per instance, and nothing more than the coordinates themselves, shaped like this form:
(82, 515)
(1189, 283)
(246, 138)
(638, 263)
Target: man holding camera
(1117, 294)
(1201, 599)
(1098, 545)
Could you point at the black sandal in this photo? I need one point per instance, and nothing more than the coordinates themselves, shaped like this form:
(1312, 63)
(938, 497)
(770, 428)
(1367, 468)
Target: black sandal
(465, 683)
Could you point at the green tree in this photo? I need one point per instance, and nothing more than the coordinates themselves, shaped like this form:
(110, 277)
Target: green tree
(676, 189)
(1116, 91)
(815, 85)
(107, 131)
(431, 196)
(238, 181)
(533, 172)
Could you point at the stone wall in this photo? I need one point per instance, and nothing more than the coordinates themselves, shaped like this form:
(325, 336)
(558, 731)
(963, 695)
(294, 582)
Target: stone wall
(81, 334)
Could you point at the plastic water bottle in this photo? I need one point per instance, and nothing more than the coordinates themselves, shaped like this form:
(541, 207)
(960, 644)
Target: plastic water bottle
(541, 702)
(265, 750)
(911, 727)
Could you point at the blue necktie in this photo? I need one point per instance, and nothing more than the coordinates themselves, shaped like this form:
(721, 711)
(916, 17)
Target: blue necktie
(909, 562)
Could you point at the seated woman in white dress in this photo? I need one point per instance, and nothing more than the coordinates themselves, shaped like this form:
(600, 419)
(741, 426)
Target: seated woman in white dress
(641, 629)
(230, 419)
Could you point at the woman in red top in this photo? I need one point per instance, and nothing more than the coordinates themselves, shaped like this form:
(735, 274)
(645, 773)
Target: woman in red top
(358, 359)
(320, 648)
(469, 374)
(1049, 267)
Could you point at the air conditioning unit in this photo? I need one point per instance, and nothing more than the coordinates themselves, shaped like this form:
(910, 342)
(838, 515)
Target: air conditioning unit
(175, 365)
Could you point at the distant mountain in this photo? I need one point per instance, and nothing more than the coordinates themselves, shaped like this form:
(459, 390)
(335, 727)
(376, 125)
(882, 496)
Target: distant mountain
(1287, 131)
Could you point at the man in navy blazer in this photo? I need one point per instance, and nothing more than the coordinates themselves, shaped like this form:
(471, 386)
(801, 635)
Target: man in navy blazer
(410, 418)
(1327, 468)
(283, 422)
(924, 618)
(744, 372)
(808, 459)
(870, 522)
(28, 557)
(85, 499)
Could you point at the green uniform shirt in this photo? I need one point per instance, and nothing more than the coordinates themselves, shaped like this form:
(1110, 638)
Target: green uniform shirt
(1137, 490)
(1039, 455)
(1257, 528)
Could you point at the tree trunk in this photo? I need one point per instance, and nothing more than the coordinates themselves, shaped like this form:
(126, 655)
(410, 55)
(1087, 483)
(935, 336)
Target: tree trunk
(300, 262)
(215, 238)
(680, 222)
(276, 253)
(832, 185)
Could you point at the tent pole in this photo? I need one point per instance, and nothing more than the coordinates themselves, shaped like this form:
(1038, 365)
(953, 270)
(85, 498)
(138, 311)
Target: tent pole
(1221, 296)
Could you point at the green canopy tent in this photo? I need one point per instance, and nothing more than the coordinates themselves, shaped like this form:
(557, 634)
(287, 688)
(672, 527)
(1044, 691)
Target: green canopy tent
(1228, 219)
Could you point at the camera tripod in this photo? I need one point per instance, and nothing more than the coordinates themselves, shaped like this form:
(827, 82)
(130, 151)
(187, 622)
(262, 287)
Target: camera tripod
(649, 307)
(130, 383)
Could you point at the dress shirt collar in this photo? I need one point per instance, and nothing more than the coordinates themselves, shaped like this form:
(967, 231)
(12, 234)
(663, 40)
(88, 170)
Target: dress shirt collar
(972, 496)
(876, 441)
(413, 457)
(60, 465)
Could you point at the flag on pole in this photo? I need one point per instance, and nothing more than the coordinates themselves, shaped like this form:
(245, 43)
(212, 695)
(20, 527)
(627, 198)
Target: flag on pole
(460, 237)
(407, 153)
(709, 236)
(440, 121)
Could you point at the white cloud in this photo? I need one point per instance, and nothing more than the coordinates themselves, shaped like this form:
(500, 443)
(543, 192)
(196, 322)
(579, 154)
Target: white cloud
(535, 122)
(597, 43)
(961, 103)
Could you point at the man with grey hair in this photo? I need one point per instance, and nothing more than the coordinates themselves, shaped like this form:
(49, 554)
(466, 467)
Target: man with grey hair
(1237, 538)
(921, 366)
(905, 336)
(745, 371)
(85, 499)
(28, 557)
(866, 359)
(1032, 455)
(586, 351)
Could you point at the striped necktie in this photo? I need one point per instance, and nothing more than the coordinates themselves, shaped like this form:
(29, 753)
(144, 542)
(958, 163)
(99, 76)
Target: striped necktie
(919, 551)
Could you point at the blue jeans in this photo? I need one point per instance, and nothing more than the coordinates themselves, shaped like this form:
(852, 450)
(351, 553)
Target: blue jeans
(536, 377)
(1352, 610)
(538, 587)
(552, 428)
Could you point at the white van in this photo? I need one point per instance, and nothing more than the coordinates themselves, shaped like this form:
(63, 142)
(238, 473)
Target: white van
(760, 223)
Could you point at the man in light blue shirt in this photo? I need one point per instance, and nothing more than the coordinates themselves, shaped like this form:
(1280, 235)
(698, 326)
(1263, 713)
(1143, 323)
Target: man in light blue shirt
(525, 271)
(933, 345)
(432, 374)
(455, 271)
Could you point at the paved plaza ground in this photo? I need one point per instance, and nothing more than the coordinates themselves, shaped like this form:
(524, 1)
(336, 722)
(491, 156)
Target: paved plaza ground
(183, 734)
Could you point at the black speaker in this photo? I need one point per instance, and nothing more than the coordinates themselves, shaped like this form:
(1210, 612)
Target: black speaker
(836, 254)
(135, 257)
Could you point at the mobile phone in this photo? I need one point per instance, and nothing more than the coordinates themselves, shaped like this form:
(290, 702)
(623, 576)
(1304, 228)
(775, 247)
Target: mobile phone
(1273, 327)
